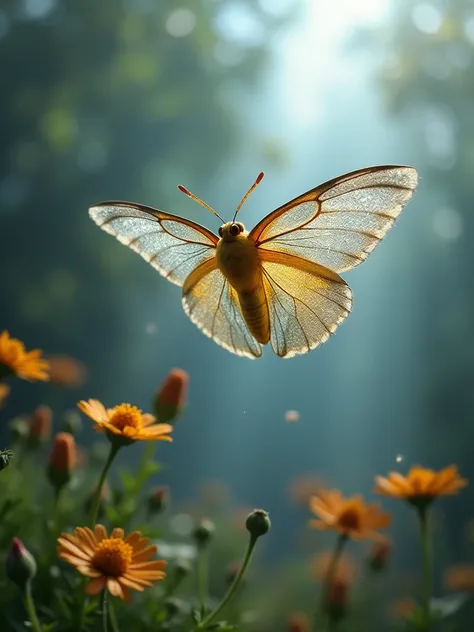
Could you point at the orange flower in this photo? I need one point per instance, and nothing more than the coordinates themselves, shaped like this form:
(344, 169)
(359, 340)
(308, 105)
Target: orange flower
(125, 421)
(171, 396)
(460, 578)
(349, 516)
(66, 371)
(62, 460)
(345, 568)
(4, 393)
(421, 484)
(116, 563)
(28, 365)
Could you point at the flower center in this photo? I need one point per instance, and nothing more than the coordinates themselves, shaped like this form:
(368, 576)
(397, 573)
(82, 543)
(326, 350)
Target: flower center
(124, 416)
(112, 557)
(349, 519)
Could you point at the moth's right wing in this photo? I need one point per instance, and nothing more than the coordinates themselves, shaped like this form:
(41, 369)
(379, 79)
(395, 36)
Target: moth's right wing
(212, 305)
(173, 245)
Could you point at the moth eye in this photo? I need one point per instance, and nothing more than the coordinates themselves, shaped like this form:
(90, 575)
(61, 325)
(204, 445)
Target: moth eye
(220, 231)
(234, 230)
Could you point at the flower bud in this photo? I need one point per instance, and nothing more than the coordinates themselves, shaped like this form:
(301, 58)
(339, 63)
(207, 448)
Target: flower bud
(170, 399)
(40, 425)
(337, 599)
(298, 622)
(72, 422)
(158, 500)
(19, 429)
(62, 460)
(203, 532)
(20, 564)
(258, 523)
(5, 458)
(379, 556)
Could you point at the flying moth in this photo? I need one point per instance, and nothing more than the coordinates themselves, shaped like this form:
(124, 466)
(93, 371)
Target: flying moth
(278, 283)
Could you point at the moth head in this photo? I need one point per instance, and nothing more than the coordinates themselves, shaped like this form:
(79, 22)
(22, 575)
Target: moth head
(231, 230)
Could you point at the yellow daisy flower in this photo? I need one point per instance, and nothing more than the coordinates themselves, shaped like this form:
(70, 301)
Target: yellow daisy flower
(115, 563)
(421, 484)
(125, 421)
(28, 365)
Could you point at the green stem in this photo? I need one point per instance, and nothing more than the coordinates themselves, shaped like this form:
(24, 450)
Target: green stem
(427, 566)
(56, 507)
(114, 448)
(202, 579)
(113, 618)
(30, 608)
(82, 605)
(104, 610)
(321, 614)
(233, 587)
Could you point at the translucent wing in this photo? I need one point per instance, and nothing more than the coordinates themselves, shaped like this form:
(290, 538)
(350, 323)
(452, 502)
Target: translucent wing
(340, 222)
(173, 245)
(307, 302)
(212, 304)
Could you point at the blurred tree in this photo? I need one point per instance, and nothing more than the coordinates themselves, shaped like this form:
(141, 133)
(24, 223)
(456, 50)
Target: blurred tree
(102, 100)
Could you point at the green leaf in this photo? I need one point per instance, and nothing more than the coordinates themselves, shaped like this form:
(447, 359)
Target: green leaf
(128, 481)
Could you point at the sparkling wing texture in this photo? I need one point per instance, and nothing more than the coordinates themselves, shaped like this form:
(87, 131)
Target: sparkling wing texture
(212, 304)
(340, 222)
(307, 302)
(173, 245)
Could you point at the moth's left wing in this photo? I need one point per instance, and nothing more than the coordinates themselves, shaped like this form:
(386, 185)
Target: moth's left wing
(171, 244)
(213, 305)
(306, 301)
(340, 222)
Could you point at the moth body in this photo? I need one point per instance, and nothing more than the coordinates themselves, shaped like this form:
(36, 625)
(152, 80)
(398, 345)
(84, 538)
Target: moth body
(237, 259)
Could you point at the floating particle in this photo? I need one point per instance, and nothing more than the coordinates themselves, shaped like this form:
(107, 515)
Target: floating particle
(291, 416)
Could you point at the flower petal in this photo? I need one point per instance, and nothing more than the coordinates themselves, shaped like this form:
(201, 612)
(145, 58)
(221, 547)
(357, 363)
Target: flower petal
(144, 554)
(96, 585)
(114, 587)
(100, 532)
(148, 419)
(94, 409)
(117, 533)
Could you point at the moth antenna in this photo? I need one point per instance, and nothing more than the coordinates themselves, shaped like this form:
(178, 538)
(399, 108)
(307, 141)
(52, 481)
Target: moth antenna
(199, 201)
(249, 192)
